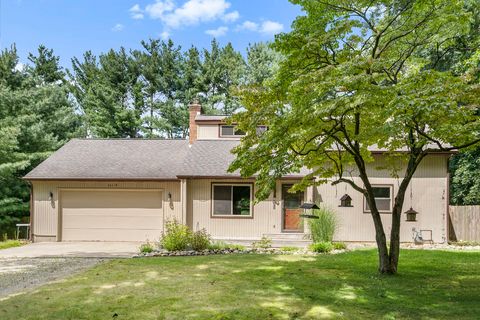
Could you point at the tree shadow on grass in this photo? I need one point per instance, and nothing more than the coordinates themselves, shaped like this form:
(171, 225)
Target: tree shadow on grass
(430, 285)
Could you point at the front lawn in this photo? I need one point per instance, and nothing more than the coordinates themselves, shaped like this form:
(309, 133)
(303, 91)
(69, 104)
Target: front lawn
(431, 285)
(11, 243)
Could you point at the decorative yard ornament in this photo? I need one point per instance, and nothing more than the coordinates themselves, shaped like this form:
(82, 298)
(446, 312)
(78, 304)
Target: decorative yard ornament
(309, 206)
(346, 201)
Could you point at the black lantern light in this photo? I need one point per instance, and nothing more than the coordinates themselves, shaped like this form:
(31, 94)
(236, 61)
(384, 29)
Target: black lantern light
(309, 206)
(411, 214)
(346, 201)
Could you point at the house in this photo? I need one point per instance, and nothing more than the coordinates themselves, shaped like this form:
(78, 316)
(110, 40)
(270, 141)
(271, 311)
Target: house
(126, 189)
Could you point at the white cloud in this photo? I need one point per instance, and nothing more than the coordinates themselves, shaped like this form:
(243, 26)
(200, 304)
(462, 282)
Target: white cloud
(165, 35)
(231, 16)
(136, 12)
(19, 67)
(118, 27)
(248, 25)
(220, 31)
(159, 8)
(192, 12)
(271, 27)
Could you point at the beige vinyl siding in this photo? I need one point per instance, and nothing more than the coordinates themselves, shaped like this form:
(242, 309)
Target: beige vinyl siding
(46, 212)
(267, 214)
(429, 197)
(207, 132)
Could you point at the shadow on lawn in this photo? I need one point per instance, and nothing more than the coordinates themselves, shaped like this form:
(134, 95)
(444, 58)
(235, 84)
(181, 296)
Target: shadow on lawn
(429, 285)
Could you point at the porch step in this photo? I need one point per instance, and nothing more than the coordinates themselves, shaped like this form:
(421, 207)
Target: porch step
(287, 236)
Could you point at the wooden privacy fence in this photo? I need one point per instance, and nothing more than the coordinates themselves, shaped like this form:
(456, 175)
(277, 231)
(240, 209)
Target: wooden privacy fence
(464, 223)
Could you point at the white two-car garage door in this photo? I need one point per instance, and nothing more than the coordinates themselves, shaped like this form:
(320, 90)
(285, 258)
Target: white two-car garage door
(111, 215)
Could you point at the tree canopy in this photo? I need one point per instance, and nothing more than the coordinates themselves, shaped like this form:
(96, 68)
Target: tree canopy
(358, 75)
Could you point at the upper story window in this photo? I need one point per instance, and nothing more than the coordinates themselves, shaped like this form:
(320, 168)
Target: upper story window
(261, 129)
(383, 199)
(230, 131)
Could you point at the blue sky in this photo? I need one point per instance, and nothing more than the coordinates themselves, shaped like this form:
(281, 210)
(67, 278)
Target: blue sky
(71, 27)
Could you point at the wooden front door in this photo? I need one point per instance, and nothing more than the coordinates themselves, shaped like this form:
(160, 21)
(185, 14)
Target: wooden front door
(291, 210)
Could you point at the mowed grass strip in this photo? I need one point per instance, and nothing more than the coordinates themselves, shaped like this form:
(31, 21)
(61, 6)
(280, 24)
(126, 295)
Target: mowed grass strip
(430, 285)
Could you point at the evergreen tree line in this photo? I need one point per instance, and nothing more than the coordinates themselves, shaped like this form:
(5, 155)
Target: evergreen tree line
(129, 94)
(119, 94)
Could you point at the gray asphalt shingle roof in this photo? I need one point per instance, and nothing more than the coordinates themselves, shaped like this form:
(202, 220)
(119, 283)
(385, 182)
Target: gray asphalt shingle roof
(114, 158)
(137, 159)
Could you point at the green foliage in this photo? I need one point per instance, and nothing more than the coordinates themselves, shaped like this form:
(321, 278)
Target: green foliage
(5, 244)
(146, 247)
(339, 246)
(263, 243)
(321, 247)
(218, 245)
(221, 245)
(289, 249)
(176, 237)
(36, 118)
(200, 240)
(323, 228)
(465, 181)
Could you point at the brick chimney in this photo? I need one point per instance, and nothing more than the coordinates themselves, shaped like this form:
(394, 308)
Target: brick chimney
(194, 108)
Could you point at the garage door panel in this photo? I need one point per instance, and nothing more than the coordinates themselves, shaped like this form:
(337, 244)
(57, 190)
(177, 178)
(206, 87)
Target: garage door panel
(111, 215)
(112, 199)
(111, 235)
(112, 221)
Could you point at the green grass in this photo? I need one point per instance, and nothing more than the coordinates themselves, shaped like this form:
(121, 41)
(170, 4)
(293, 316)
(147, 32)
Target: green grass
(11, 243)
(430, 285)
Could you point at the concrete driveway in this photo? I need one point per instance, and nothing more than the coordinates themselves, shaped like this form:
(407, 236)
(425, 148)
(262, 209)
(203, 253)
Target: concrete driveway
(73, 249)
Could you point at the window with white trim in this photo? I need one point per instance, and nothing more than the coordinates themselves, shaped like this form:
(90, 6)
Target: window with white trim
(383, 199)
(230, 131)
(232, 200)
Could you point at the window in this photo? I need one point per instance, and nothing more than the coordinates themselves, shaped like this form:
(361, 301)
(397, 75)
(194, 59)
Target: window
(232, 200)
(383, 199)
(230, 131)
(261, 129)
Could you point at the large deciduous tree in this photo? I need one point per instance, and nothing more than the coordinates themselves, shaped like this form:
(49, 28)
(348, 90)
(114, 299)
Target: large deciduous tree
(355, 75)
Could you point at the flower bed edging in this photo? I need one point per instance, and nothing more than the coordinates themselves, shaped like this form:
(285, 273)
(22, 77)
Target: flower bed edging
(207, 252)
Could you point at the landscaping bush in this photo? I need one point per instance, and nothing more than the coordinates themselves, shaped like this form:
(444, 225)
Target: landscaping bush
(146, 247)
(238, 247)
(321, 247)
(289, 249)
(323, 228)
(217, 245)
(339, 246)
(176, 237)
(200, 240)
(263, 243)
(221, 245)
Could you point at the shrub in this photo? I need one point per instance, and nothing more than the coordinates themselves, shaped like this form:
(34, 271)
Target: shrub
(339, 246)
(238, 247)
(289, 249)
(217, 245)
(321, 247)
(323, 228)
(146, 247)
(176, 237)
(200, 240)
(263, 243)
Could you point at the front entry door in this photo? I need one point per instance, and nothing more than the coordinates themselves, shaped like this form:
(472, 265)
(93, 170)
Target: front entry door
(291, 210)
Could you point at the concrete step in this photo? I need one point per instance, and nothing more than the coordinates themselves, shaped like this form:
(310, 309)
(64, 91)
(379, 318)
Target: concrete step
(287, 236)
